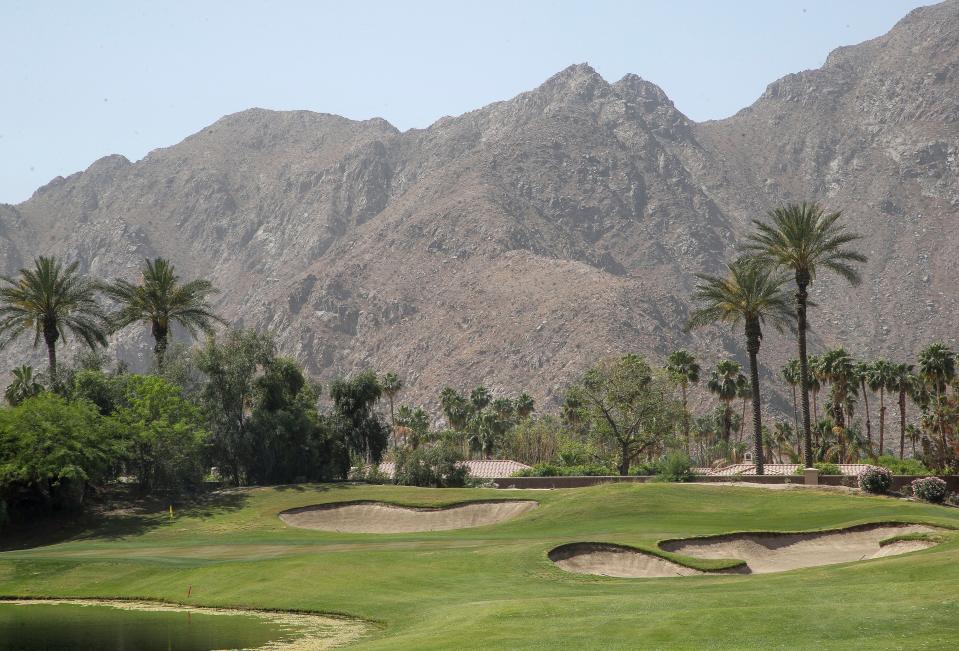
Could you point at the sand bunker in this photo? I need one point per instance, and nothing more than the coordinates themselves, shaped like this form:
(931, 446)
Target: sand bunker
(606, 559)
(772, 552)
(380, 517)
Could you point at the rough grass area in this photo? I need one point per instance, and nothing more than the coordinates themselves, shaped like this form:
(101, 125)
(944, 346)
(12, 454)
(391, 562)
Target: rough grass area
(495, 587)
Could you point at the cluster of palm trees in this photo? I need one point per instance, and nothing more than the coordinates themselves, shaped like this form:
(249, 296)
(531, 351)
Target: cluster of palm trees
(481, 419)
(796, 243)
(53, 299)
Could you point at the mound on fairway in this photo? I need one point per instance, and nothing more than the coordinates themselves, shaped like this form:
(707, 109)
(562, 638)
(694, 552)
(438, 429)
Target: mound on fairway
(381, 517)
(605, 559)
(776, 552)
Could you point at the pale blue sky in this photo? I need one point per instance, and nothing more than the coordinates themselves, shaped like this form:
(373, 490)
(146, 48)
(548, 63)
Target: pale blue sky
(81, 80)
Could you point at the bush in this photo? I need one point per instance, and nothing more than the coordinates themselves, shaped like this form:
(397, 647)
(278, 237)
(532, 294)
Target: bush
(875, 480)
(439, 466)
(930, 489)
(823, 467)
(903, 466)
(676, 467)
(551, 470)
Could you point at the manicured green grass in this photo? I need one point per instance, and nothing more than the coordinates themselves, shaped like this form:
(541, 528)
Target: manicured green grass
(493, 587)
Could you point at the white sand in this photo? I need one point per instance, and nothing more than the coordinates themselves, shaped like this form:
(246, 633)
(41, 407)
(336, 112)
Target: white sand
(613, 560)
(379, 517)
(767, 552)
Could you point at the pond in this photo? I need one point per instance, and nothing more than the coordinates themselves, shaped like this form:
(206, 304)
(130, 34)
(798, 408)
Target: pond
(63, 626)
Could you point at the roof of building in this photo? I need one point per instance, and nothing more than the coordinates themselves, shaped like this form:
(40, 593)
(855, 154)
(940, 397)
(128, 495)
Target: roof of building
(483, 469)
(852, 469)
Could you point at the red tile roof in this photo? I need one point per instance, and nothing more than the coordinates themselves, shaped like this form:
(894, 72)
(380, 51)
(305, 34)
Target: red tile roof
(484, 469)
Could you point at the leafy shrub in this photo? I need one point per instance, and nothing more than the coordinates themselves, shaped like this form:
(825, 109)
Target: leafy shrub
(823, 467)
(875, 480)
(930, 489)
(676, 467)
(646, 469)
(551, 470)
(438, 466)
(903, 466)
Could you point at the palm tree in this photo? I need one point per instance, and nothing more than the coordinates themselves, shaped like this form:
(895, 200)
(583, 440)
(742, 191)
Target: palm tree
(880, 379)
(744, 393)
(751, 294)
(902, 381)
(392, 385)
(862, 371)
(23, 386)
(50, 300)
(525, 405)
(803, 238)
(724, 382)
(455, 407)
(838, 367)
(480, 397)
(161, 300)
(790, 373)
(937, 368)
(683, 366)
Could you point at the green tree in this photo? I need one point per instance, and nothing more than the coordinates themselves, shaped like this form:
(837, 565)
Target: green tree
(628, 406)
(50, 300)
(724, 382)
(417, 423)
(392, 385)
(228, 396)
(862, 372)
(903, 382)
(839, 369)
(685, 369)
(804, 239)
(164, 434)
(937, 368)
(161, 300)
(790, 373)
(455, 407)
(525, 405)
(752, 295)
(881, 379)
(354, 399)
(480, 397)
(23, 386)
(52, 448)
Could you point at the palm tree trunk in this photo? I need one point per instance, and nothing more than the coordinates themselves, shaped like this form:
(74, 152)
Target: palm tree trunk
(742, 422)
(50, 336)
(802, 280)
(160, 344)
(752, 345)
(727, 423)
(796, 421)
(865, 402)
(392, 421)
(902, 423)
(686, 418)
(882, 419)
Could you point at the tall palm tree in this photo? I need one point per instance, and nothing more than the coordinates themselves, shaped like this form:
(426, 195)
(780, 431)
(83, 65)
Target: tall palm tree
(684, 367)
(161, 300)
(751, 294)
(392, 385)
(880, 379)
(803, 239)
(724, 382)
(902, 381)
(744, 393)
(937, 368)
(790, 373)
(480, 397)
(862, 371)
(24, 386)
(50, 300)
(838, 367)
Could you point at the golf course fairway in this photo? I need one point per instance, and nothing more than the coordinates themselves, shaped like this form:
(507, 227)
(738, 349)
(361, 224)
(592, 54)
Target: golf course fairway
(495, 586)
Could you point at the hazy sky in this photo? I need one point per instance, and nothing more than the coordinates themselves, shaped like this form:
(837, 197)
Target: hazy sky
(84, 79)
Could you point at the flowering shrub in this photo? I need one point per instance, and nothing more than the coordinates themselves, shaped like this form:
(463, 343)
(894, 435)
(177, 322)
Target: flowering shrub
(875, 480)
(930, 489)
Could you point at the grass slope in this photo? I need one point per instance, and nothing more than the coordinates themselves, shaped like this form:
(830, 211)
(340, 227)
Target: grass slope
(494, 586)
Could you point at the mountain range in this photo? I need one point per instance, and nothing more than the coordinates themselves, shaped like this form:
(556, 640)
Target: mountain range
(517, 244)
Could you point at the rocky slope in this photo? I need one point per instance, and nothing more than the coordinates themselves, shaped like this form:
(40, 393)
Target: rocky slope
(516, 244)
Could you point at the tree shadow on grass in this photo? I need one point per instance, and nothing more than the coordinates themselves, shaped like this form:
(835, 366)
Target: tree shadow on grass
(115, 514)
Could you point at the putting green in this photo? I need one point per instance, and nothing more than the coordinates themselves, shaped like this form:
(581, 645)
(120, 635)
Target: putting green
(494, 586)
